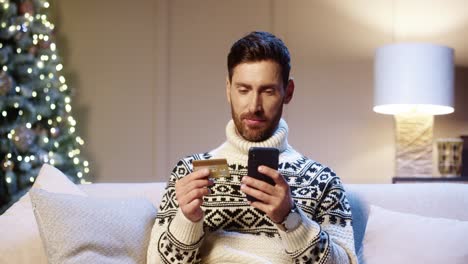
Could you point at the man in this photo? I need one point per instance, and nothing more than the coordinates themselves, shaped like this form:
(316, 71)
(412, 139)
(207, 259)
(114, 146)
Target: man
(303, 218)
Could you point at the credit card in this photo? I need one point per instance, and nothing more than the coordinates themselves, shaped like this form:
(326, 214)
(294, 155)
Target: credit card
(218, 167)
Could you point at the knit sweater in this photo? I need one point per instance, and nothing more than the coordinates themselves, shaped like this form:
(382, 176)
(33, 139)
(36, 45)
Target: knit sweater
(232, 231)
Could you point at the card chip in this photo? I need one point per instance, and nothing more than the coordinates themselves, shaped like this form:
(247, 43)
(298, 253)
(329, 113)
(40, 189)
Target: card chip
(218, 167)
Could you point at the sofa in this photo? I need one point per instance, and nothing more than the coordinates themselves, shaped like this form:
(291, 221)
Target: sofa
(59, 222)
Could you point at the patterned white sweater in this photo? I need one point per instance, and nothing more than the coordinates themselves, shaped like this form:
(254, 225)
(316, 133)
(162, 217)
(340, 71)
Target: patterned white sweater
(232, 231)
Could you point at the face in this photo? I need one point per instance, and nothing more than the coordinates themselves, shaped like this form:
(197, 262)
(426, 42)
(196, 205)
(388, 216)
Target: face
(257, 94)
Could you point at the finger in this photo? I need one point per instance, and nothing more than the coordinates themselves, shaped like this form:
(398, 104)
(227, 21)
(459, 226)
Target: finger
(261, 206)
(258, 194)
(193, 205)
(258, 184)
(183, 187)
(199, 174)
(275, 213)
(273, 174)
(186, 198)
(193, 210)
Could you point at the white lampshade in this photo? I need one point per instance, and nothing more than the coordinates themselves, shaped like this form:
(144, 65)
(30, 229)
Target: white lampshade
(414, 77)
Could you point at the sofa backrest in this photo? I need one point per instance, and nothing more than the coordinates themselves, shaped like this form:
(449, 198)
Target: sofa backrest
(429, 199)
(443, 200)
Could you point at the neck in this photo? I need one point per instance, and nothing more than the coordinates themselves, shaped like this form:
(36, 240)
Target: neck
(277, 140)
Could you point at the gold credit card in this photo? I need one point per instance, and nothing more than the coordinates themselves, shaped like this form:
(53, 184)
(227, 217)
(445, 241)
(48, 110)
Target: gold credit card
(218, 167)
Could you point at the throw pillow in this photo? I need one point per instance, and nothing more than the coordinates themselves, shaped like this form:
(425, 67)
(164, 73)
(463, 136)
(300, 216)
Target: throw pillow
(394, 237)
(20, 242)
(77, 229)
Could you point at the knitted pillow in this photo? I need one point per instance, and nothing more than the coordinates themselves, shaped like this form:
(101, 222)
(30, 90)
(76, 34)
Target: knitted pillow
(76, 229)
(20, 242)
(394, 237)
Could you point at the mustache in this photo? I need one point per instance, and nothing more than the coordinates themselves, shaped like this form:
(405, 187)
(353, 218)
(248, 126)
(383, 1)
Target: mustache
(256, 115)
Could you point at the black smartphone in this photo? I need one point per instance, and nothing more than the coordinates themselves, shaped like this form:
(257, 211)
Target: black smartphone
(261, 156)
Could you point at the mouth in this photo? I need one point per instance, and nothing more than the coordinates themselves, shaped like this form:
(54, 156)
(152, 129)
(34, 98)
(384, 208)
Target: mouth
(254, 122)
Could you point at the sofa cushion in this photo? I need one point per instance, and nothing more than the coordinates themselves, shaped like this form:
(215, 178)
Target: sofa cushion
(20, 242)
(441, 200)
(394, 237)
(153, 191)
(77, 229)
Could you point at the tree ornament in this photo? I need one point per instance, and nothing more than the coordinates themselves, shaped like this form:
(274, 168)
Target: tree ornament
(26, 7)
(33, 50)
(23, 138)
(7, 165)
(43, 44)
(6, 82)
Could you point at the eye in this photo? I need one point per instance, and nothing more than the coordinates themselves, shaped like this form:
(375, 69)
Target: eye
(269, 91)
(243, 90)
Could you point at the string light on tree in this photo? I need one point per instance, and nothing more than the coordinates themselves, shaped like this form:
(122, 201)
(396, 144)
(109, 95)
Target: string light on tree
(35, 100)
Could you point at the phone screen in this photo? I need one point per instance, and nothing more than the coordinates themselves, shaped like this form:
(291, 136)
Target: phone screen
(262, 156)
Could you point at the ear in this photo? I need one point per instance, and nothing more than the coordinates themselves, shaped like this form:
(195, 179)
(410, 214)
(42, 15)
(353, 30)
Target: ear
(228, 89)
(289, 91)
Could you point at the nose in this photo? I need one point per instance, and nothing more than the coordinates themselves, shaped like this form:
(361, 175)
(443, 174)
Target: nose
(255, 104)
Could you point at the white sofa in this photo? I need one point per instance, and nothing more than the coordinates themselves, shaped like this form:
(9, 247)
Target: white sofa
(435, 200)
(431, 202)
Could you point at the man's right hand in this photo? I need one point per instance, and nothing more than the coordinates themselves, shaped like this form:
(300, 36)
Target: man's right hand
(190, 191)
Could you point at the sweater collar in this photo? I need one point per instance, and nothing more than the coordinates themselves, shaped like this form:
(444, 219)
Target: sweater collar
(278, 140)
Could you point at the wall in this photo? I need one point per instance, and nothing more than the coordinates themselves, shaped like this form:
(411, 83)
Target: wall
(150, 77)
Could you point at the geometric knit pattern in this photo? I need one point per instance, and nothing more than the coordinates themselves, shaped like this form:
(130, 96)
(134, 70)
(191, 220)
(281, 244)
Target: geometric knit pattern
(316, 190)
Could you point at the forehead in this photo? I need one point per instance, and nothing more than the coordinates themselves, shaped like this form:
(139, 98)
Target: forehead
(258, 71)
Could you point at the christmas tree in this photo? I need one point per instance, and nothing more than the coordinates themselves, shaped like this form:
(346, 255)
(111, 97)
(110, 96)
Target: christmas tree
(36, 124)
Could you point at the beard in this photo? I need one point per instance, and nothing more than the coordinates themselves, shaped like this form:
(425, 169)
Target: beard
(256, 133)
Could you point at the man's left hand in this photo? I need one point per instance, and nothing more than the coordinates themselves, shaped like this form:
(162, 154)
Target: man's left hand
(275, 201)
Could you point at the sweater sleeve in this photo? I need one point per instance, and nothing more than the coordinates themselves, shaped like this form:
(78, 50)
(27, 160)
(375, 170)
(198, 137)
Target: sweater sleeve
(174, 238)
(325, 234)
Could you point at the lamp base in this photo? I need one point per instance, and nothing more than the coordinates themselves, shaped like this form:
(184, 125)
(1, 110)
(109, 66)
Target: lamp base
(414, 144)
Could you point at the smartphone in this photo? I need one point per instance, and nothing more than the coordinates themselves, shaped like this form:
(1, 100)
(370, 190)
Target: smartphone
(261, 156)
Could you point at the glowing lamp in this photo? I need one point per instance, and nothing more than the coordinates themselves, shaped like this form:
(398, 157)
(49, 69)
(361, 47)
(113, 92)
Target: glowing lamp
(414, 82)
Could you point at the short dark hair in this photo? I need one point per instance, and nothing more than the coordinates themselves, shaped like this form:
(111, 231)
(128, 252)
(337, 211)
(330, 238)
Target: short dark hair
(260, 46)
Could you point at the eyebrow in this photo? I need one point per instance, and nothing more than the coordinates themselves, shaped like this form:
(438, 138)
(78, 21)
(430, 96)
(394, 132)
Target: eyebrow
(241, 84)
